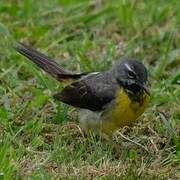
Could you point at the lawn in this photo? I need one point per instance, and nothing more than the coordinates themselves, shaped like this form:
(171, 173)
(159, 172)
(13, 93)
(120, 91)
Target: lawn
(40, 137)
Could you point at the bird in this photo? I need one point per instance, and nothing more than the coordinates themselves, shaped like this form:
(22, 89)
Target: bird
(107, 100)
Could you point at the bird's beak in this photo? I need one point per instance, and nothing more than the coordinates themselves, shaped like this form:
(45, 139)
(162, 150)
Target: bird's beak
(144, 87)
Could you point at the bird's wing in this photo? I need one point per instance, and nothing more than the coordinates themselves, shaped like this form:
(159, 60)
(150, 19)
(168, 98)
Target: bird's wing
(93, 92)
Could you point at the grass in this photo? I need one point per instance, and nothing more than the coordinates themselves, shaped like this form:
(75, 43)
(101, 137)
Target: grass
(40, 138)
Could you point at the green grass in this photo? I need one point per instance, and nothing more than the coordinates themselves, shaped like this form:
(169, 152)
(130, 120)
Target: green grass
(40, 138)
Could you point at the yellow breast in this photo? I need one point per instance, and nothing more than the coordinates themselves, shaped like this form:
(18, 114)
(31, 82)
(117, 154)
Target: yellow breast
(123, 112)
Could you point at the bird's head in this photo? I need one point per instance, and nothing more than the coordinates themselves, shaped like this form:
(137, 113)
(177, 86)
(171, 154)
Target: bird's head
(132, 76)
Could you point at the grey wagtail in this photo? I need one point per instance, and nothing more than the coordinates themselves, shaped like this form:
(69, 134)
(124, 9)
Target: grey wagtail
(106, 100)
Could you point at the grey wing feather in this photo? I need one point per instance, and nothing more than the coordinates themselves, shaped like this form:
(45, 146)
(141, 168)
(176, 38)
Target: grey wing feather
(93, 92)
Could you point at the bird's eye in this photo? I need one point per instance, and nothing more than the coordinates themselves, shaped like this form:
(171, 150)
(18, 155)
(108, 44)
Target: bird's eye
(131, 74)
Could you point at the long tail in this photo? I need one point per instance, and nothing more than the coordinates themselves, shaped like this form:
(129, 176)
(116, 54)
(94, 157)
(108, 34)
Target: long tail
(45, 63)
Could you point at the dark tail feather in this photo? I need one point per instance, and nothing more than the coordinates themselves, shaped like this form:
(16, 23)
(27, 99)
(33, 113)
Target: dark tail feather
(44, 62)
(73, 76)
